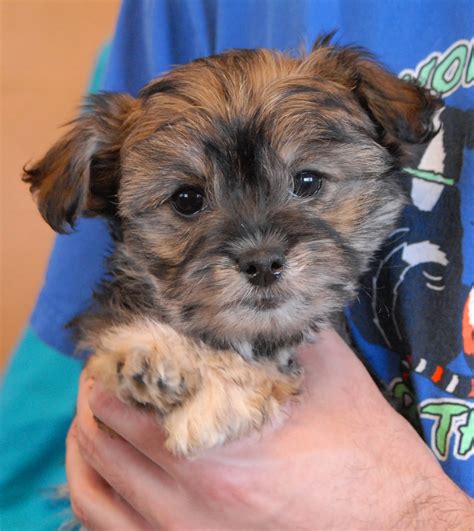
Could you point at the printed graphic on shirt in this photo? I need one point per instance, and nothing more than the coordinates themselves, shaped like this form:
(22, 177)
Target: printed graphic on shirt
(468, 327)
(440, 167)
(452, 429)
(402, 392)
(417, 297)
(420, 292)
(447, 71)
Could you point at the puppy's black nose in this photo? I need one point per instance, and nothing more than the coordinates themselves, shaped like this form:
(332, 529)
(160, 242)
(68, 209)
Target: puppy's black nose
(262, 269)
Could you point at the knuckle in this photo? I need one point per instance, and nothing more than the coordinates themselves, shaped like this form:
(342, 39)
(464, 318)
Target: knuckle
(87, 444)
(79, 510)
(100, 400)
(120, 485)
(81, 495)
(227, 489)
(95, 454)
(71, 434)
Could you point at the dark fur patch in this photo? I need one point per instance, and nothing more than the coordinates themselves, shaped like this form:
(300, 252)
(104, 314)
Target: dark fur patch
(161, 86)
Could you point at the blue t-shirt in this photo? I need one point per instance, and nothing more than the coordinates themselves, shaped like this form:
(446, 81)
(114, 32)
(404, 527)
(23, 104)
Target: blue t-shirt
(414, 318)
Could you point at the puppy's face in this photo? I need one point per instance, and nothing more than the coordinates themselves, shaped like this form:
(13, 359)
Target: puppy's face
(251, 189)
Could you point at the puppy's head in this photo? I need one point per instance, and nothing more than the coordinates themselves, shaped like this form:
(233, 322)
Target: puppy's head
(251, 187)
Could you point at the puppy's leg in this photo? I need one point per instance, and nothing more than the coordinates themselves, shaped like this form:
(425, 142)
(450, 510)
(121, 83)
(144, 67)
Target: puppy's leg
(204, 397)
(235, 398)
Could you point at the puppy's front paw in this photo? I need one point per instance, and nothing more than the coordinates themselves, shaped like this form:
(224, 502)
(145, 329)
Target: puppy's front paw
(204, 397)
(143, 369)
(150, 379)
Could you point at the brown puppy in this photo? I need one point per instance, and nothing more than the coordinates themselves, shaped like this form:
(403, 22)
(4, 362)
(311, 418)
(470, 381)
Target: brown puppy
(247, 193)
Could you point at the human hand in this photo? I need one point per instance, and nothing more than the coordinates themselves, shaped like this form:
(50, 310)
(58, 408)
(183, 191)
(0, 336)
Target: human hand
(343, 459)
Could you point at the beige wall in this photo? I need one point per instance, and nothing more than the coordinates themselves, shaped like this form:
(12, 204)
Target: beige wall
(47, 51)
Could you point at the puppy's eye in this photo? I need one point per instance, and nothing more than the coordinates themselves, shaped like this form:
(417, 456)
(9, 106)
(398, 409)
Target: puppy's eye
(188, 201)
(307, 183)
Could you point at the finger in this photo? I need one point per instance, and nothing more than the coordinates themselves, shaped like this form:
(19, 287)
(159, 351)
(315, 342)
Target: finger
(337, 381)
(142, 483)
(139, 428)
(330, 361)
(93, 501)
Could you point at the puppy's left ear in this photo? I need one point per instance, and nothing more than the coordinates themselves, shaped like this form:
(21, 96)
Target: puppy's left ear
(80, 174)
(402, 111)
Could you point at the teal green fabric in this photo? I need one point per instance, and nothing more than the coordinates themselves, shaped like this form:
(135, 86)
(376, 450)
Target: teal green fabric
(37, 401)
(98, 75)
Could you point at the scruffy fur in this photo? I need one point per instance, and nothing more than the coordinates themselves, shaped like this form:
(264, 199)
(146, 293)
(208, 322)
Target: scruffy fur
(179, 328)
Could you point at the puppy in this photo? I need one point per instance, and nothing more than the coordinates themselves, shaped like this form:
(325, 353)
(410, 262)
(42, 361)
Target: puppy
(247, 193)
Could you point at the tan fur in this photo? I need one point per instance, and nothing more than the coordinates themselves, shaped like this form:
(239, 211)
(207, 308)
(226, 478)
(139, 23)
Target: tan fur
(203, 397)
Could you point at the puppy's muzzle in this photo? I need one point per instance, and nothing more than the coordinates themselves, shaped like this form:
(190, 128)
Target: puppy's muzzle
(262, 268)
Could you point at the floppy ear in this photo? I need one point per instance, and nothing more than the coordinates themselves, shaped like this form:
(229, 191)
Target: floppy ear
(402, 111)
(81, 172)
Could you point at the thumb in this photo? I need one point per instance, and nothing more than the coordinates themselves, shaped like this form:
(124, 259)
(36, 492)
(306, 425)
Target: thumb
(330, 365)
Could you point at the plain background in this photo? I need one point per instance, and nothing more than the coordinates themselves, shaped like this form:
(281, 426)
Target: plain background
(48, 48)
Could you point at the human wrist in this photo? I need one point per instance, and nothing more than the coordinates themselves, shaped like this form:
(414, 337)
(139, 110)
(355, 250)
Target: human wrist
(442, 506)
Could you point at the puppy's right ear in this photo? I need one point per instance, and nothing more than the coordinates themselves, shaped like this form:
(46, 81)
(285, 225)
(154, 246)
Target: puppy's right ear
(81, 172)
